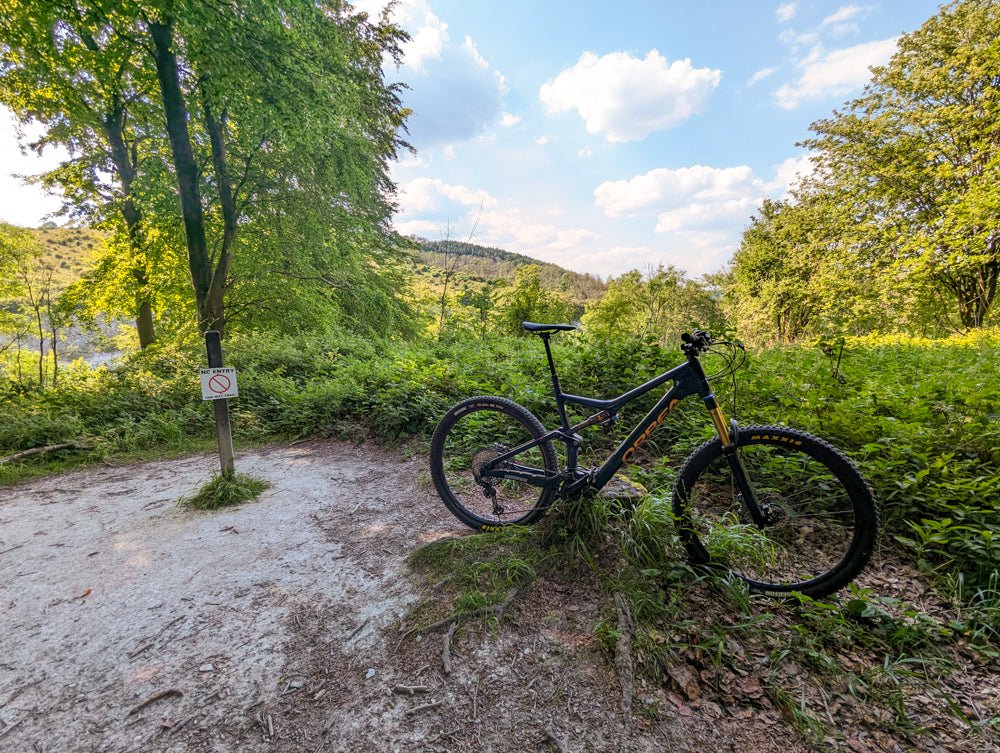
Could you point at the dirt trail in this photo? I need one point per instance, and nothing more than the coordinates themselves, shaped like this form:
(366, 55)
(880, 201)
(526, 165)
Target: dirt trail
(113, 594)
(128, 623)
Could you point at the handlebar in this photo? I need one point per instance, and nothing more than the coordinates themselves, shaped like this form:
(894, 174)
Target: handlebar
(696, 342)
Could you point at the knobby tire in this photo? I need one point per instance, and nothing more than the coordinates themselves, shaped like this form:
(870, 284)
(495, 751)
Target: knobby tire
(823, 519)
(471, 434)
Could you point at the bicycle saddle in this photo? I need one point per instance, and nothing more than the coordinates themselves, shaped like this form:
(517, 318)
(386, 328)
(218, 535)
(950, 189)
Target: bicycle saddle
(540, 328)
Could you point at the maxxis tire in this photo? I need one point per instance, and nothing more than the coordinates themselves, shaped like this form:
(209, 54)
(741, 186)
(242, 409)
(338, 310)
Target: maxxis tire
(825, 526)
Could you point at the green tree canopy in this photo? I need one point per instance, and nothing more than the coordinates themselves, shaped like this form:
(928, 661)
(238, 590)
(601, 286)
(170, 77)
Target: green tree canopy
(913, 161)
(65, 69)
(527, 300)
(661, 304)
(793, 275)
(256, 135)
(17, 250)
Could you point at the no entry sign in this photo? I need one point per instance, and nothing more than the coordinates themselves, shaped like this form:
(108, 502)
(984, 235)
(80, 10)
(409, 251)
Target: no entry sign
(218, 384)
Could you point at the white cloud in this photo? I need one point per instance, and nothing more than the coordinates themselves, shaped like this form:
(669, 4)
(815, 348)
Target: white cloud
(470, 46)
(428, 33)
(688, 196)
(698, 217)
(432, 208)
(542, 140)
(707, 214)
(796, 41)
(432, 194)
(836, 73)
(843, 15)
(452, 89)
(700, 211)
(703, 251)
(625, 98)
(425, 44)
(537, 231)
(785, 12)
(844, 21)
(522, 231)
(695, 252)
(664, 188)
(507, 120)
(760, 75)
(410, 161)
(790, 174)
(421, 228)
(614, 261)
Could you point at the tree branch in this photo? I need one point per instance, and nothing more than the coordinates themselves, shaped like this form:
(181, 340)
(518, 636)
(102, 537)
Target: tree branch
(50, 448)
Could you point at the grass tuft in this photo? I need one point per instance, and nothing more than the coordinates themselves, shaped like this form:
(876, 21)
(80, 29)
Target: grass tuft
(225, 491)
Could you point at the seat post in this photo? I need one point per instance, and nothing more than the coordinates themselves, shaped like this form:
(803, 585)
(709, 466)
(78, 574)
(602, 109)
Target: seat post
(556, 389)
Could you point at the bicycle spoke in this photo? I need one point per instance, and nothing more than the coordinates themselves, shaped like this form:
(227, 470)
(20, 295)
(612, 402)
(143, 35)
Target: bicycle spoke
(469, 474)
(811, 539)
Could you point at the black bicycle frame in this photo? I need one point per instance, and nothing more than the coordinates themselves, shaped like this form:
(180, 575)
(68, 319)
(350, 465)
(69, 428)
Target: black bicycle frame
(689, 379)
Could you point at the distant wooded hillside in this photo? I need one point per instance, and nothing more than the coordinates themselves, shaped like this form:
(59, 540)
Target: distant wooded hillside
(485, 264)
(67, 252)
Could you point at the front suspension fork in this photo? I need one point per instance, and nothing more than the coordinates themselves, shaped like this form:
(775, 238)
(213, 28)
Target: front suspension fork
(729, 436)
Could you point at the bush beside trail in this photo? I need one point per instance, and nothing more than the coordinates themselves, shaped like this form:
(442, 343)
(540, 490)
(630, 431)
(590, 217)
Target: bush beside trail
(921, 417)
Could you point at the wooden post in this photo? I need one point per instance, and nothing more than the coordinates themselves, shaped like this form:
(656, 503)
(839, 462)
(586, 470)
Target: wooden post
(213, 343)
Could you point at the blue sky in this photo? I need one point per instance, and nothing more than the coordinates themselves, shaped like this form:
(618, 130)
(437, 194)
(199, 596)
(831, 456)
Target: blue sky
(606, 137)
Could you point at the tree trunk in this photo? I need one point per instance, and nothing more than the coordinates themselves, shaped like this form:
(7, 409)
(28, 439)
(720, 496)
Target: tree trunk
(114, 132)
(125, 164)
(144, 324)
(54, 327)
(210, 312)
(975, 293)
(227, 202)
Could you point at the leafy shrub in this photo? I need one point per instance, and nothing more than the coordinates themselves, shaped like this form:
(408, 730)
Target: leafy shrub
(921, 417)
(23, 431)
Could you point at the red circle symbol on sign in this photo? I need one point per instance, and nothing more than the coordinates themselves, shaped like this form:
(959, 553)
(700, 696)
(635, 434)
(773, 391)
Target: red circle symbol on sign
(219, 384)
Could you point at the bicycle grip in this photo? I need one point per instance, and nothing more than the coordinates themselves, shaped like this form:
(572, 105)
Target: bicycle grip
(699, 339)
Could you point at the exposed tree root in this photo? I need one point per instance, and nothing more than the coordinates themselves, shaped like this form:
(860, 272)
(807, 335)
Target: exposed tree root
(623, 653)
(493, 610)
(446, 651)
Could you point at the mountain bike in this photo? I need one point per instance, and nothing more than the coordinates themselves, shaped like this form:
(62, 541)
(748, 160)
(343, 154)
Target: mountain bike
(783, 510)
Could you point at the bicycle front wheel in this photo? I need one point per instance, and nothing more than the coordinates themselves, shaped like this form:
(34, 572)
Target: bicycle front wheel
(821, 518)
(469, 436)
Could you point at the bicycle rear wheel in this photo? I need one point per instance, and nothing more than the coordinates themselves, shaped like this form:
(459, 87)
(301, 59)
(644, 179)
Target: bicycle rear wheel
(470, 435)
(822, 520)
